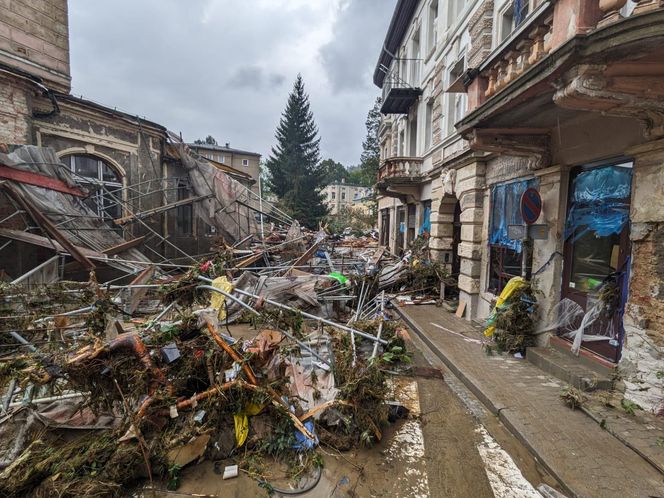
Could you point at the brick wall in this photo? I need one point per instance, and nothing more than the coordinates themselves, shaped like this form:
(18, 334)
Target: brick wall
(34, 37)
(14, 111)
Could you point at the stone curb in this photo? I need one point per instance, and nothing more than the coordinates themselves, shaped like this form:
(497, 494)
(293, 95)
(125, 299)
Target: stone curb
(504, 414)
(598, 419)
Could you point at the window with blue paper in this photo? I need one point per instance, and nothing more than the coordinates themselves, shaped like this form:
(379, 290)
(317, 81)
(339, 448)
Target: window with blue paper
(597, 220)
(505, 253)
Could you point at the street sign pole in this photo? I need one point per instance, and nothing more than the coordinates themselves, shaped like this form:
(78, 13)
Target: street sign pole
(531, 208)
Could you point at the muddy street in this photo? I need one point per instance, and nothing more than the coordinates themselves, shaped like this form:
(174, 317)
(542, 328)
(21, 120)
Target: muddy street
(448, 446)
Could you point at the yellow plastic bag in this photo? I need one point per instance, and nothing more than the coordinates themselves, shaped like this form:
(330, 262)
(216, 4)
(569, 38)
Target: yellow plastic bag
(514, 284)
(241, 428)
(217, 300)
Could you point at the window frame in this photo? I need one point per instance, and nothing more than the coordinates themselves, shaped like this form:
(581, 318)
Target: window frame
(98, 196)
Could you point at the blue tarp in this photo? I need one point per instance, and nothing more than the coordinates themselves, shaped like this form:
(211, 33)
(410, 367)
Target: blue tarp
(599, 202)
(505, 211)
(426, 221)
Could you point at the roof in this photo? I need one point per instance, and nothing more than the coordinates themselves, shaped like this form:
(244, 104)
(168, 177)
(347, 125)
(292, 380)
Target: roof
(100, 107)
(403, 13)
(221, 148)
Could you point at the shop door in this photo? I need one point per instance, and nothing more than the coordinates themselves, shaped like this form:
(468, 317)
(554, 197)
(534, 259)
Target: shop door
(596, 253)
(401, 229)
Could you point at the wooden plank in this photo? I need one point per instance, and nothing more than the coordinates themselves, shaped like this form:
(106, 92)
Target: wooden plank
(461, 309)
(308, 254)
(377, 255)
(160, 209)
(249, 260)
(138, 294)
(123, 246)
(38, 180)
(38, 240)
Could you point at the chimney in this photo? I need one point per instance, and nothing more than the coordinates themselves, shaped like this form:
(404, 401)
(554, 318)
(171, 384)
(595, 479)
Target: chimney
(228, 145)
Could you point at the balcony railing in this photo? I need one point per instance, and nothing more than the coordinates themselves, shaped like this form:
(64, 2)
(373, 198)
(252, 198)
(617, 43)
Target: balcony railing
(399, 93)
(401, 168)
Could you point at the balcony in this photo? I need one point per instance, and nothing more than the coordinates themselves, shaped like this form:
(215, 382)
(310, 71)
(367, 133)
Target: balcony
(400, 177)
(398, 94)
(397, 169)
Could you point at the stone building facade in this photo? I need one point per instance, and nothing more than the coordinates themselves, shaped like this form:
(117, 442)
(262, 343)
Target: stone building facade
(130, 155)
(340, 195)
(564, 97)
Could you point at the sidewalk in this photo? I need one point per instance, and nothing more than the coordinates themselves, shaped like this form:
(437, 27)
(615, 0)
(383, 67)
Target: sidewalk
(584, 458)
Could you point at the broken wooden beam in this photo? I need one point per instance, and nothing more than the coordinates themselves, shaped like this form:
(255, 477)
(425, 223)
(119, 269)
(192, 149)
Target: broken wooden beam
(38, 180)
(123, 246)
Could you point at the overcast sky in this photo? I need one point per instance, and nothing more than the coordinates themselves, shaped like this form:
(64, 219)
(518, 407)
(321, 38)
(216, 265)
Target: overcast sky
(225, 67)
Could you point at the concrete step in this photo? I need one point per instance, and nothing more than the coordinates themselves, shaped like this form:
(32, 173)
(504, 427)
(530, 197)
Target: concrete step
(586, 358)
(568, 369)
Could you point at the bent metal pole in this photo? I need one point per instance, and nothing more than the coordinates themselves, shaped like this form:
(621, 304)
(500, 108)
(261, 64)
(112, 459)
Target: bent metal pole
(305, 314)
(245, 305)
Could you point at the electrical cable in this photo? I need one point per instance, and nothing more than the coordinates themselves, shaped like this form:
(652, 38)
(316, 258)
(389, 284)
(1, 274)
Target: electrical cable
(292, 492)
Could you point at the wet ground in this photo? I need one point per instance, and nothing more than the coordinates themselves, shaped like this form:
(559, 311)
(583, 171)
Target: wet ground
(449, 446)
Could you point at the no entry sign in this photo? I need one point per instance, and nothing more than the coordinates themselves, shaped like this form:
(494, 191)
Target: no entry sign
(531, 206)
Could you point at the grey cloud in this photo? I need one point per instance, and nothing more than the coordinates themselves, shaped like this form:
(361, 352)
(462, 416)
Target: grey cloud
(358, 34)
(256, 78)
(225, 67)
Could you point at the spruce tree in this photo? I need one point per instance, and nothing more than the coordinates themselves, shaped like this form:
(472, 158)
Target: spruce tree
(370, 158)
(296, 176)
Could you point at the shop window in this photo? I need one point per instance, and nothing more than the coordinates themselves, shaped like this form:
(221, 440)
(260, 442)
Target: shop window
(505, 254)
(598, 214)
(102, 180)
(184, 213)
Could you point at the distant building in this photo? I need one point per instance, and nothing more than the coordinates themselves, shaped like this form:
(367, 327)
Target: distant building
(239, 160)
(340, 194)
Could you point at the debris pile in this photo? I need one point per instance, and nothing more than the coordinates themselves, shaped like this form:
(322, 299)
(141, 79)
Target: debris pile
(217, 363)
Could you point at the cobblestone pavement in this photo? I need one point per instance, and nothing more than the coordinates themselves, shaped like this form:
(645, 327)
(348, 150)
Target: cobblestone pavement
(587, 460)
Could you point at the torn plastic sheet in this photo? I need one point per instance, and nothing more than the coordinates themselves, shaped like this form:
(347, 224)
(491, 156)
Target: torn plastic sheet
(565, 316)
(505, 211)
(599, 202)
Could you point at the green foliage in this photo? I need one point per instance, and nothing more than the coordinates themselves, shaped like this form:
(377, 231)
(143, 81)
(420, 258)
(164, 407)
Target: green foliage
(370, 158)
(354, 218)
(630, 407)
(209, 140)
(295, 172)
(334, 171)
(173, 477)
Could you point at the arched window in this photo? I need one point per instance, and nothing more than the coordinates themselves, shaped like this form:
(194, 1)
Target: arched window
(103, 181)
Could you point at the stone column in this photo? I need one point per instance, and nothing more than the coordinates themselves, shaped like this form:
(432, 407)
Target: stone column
(469, 188)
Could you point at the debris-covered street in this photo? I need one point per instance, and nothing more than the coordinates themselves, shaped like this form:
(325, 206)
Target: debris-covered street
(289, 374)
(332, 248)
